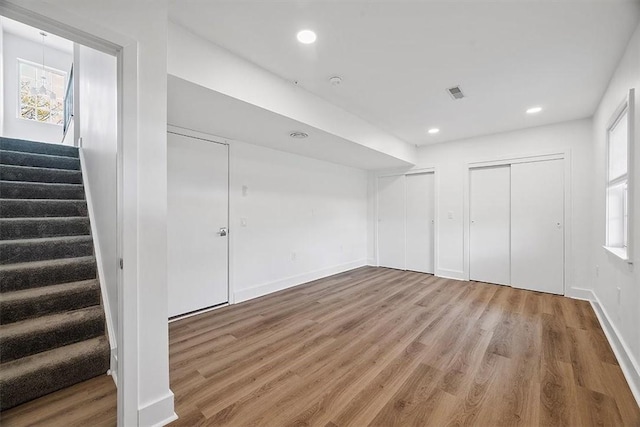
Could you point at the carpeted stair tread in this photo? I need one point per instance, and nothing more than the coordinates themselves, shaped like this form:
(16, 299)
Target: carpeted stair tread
(36, 174)
(34, 376)
(27, 275)
(19, 158)
(40, 190)
(20, 305)
(31, 336)
(13, 144)
(29, 228)
(27, 250)
(41, 208)
(52, 322)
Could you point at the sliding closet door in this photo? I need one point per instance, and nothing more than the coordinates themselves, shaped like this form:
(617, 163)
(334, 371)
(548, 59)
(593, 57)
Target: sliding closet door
(419, 222)
(489, 238)
(537, 226)
(391, 222)
(197, 206)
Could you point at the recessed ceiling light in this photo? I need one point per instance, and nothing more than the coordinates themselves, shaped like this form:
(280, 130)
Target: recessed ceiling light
(433, 131)
(298, 135)
(306, 36)
(534, 110)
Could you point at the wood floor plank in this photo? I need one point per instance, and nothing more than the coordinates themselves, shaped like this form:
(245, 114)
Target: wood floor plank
(377, 346)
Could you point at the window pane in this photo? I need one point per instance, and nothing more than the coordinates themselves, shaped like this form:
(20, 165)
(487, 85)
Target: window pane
(41, 107)
(616, 215)
(618, 148)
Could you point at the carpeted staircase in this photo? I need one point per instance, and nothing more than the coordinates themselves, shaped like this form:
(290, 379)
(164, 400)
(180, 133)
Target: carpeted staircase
(52, 324)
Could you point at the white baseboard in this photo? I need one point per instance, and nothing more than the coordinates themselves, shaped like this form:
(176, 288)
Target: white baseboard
(289, 282)
(580, 293)
(628, 364)
(157, 413)
(372, 262)
(450, 274)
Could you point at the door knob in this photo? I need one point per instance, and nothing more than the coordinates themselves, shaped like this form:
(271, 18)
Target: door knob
(222, 232)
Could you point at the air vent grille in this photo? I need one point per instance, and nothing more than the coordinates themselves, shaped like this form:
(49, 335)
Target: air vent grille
(455, 92)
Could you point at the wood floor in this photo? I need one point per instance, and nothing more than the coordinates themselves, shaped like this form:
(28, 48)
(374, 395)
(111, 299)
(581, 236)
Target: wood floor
(384, 347)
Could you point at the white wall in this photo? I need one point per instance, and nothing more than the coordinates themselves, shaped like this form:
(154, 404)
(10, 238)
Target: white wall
(450, 160)
(303, 219)
(199, 61)
(140, 26)
(624, 311)
(96, 116)
(16, 47)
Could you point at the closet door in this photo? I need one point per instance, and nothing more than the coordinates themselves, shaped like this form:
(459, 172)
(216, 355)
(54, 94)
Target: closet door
(537, 226)
(420, 222)
(197, 206)
(391, 222)
(489, 234)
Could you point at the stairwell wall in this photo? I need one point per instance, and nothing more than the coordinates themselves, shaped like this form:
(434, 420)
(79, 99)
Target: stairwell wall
(96, 114)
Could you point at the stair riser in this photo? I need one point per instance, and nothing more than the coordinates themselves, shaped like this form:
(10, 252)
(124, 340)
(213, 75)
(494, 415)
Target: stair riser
(16, 311)
(28, 278)
(42, 208)
(31, 385)
(12, 144)
(25, 174)
(25, 345)
(38, 160)
(20, 190)
(30, 229)
(26, 252)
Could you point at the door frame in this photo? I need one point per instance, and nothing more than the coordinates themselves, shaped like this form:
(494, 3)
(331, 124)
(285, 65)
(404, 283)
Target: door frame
(190, 133)
(564, 155)
(418, 171)
(55, 20)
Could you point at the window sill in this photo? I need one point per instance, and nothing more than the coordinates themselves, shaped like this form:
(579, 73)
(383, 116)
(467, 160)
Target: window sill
(619, 252)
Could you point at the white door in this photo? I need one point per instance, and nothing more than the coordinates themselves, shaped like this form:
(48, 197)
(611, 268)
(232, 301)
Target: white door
(420, 222)
(489, 234)
(391, 217)
(537, 226)
(198, 199)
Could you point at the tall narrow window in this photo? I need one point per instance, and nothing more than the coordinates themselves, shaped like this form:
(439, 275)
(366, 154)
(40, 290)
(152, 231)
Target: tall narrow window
(41, 93)
(619, 135)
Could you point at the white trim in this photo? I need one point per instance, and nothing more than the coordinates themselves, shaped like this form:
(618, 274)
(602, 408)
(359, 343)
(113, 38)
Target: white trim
(55, 20)
(155, 413)
(565, 156)
(289, 282)
(627, 363)
(627, 106)
(580, 293)
(113, 371)
(450, 274)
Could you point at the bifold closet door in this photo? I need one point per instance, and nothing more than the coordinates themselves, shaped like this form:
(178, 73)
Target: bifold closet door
(489, 228)
(197, 208)
(420, 222)
(391, 222)
(537, 226)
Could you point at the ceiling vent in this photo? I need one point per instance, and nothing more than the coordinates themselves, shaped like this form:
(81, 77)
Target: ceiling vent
(455, 92)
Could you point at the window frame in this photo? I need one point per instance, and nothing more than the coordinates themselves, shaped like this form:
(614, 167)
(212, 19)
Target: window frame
(626, 107)
(61, 73)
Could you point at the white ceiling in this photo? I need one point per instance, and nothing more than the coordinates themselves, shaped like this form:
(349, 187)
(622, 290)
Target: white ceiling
(397, 57)
(30, 33)
(195, 107)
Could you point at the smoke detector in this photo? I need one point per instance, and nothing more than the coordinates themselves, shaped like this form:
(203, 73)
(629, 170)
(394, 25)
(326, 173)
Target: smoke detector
(298, 135)
(335, 80)
(455, 92)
